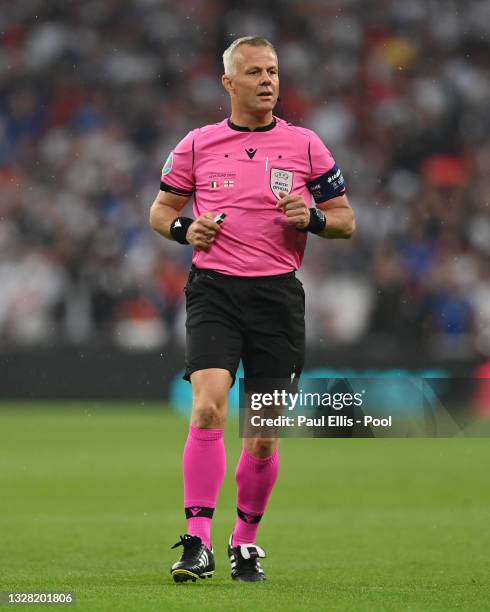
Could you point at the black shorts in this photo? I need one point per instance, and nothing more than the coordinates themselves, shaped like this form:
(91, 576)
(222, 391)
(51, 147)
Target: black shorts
(260, 320)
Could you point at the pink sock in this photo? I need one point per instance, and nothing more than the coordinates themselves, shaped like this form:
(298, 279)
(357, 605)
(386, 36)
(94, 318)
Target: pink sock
(255, 478)
(204, 468)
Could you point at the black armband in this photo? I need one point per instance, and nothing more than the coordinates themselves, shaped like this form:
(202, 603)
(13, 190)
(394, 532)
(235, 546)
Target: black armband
(318, 221)
(179, 227)
(329, 185)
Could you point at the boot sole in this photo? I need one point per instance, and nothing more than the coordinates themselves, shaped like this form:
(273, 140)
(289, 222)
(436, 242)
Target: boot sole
(183, 575)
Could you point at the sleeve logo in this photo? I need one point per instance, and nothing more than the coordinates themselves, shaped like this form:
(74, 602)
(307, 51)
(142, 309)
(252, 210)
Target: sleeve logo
(168, 164)
(337, 180)
(281, 180)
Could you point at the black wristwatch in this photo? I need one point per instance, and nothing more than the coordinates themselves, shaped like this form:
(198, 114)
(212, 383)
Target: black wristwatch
(317, 223)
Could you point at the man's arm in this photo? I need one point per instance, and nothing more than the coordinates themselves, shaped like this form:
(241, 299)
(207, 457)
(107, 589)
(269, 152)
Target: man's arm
(341, 222)
(166, 208)
(338, 211)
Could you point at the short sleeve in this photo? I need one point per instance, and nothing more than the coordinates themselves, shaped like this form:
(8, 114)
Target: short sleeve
(326, 180)
(177, 172)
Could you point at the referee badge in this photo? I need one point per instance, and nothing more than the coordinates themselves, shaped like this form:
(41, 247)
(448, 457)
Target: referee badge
(281, 180)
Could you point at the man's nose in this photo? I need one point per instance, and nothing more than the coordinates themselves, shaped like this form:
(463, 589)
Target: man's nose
(265, 80)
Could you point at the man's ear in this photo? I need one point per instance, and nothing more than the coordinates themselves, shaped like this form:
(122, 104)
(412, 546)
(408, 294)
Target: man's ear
(227, 83)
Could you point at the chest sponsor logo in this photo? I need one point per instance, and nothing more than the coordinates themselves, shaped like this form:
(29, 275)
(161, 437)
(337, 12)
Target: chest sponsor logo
(281, 180)
(222, 179)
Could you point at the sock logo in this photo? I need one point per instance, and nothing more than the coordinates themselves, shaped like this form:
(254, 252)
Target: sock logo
(199, 512)
(248, 518)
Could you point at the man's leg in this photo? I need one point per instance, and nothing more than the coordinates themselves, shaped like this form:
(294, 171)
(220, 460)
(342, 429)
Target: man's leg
(256, 474)
(204, 465)
(213, 349)
(273, 354)
(204, 462)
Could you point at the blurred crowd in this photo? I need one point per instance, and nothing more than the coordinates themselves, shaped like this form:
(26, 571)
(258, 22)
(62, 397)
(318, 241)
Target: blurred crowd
(94, 95)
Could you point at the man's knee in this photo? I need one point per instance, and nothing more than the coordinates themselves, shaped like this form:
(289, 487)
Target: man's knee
(208, 413)
(261, 447)
(210, 397)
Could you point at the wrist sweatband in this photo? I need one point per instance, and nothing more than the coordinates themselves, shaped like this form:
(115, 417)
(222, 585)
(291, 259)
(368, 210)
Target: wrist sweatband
(179, 227)
(317, 223)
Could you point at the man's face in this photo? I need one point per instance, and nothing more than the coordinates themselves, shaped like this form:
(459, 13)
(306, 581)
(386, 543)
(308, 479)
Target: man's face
(254, 86)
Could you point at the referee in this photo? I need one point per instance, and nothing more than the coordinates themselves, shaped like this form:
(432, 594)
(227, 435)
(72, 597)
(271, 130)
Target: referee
(251, 177)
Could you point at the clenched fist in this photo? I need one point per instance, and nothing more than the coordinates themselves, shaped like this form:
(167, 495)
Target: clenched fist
(295, 208)
(202, 232)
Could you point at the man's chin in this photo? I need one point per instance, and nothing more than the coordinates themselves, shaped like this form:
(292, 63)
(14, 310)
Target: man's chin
(266, 105)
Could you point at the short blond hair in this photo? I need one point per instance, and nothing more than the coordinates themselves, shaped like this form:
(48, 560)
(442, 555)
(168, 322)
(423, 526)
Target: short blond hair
(253, 41)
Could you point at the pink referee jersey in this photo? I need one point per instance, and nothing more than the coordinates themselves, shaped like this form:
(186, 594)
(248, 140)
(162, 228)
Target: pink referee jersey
(240, 172)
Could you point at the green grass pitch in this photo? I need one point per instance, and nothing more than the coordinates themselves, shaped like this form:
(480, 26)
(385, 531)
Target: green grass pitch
(90, 502)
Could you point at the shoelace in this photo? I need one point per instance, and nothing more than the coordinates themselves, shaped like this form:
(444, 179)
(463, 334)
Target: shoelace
(190, 544)
(251, 550)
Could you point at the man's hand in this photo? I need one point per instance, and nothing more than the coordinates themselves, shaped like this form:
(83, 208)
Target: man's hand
(297, 212)
(202, 233)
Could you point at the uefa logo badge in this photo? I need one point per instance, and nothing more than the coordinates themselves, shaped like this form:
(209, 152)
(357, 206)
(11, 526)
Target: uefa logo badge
(281, 180)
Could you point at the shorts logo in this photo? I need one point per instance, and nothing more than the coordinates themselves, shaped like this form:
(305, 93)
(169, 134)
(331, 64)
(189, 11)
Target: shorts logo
(168, 164)
(281, 180)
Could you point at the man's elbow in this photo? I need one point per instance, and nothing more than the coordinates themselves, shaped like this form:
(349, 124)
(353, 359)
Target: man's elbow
(152, 218)
(350, 227)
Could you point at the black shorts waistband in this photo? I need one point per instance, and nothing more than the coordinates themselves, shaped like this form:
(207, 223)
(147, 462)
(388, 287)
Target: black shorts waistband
(213, 274)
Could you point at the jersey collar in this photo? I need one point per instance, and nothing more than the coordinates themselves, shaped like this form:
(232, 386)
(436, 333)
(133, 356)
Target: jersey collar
(264, 128)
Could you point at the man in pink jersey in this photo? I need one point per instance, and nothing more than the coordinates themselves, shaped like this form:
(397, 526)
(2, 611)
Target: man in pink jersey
(243, 299)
